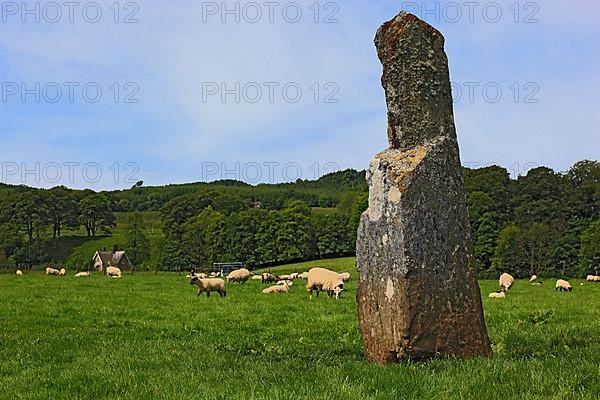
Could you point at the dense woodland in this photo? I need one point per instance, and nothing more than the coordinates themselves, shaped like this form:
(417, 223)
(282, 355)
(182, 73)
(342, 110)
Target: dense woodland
(544, 222)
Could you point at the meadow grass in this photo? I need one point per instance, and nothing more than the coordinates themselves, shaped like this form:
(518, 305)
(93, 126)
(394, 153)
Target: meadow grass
(148, 336)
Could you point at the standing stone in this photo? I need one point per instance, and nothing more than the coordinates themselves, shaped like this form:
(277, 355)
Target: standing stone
(418, 296)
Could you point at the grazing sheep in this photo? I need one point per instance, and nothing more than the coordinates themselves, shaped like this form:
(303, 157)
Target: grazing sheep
(497, 295)
(82, 274)
(239, 275)
(506, 281)
(321, 279)
(19, 272)
(285, 282)
(199, 275)
(269, 278)
(52, 271)
(592, 278)
(345, 277)
(277, 289)
(62, 272)
(563, 286)
(209, 285)
(303, 276)
(533, 278)
(113, 272)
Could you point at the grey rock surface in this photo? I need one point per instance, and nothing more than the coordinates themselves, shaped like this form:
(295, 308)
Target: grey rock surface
(418, 295)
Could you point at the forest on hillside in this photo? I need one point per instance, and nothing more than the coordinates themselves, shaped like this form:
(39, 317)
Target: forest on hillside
(545, 222)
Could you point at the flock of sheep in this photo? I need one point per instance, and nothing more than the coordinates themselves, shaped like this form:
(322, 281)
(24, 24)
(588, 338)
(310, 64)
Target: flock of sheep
(112, 272)
(506, 281)
(317, 279)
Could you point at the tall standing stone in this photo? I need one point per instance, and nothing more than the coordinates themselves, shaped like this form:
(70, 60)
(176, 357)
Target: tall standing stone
(418, 296)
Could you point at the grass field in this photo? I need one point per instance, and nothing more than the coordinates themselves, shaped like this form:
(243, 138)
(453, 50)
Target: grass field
(148, 336)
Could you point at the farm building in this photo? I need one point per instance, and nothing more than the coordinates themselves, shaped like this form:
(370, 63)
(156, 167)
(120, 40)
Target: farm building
(103, 259)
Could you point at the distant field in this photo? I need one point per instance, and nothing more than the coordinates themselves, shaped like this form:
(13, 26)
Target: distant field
(148, 336)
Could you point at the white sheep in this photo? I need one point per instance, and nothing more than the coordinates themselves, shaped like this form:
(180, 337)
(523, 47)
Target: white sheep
(277, 289)
(563, 286)
(52, 271)
(289, 277)
(209, 285)
(303, 276)
(497, 295)
(19, 272)
(321, 279)
(199, 275)
(533, 278)
(506, 281)
(113, 272)
(62, 272)
(269, 278)
(239, 275)
(82, 274)
(592, 278)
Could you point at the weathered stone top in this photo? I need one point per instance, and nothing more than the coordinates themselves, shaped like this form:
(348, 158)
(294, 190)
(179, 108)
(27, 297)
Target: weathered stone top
(416, 82)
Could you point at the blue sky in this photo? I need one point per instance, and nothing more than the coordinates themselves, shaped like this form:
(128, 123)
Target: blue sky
(543, 58)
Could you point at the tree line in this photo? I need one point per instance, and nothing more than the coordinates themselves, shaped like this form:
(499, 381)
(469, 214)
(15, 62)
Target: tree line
(204, 229)
(545, 222)
(27, 214)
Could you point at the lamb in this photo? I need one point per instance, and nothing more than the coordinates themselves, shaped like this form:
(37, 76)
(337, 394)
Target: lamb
(209, 285)
(269, 278)
(337, 293)
(82, 274)
(533, 278)
(19, 272)
(52, 271)
(321, 279)
(285, 282)
(277, 289)
(345, 277)
(501, 294)
(62, 272)
(506, 281)
(592, 278)
(113, 272)
(563, 286)
(239, 275)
